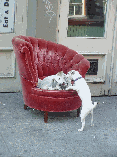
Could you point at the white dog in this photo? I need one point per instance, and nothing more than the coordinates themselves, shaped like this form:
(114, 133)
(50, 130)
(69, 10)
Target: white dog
(83, 91)
(53, 82)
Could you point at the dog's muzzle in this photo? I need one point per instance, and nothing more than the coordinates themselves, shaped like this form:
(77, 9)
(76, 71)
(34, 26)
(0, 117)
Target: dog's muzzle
(63, 85)
(72, 82)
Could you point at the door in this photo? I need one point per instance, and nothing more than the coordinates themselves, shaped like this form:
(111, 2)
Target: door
(13, 22)
(113, 66)
(88, 28)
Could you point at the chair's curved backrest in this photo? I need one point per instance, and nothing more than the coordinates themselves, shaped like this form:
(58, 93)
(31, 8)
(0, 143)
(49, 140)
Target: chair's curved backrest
(26, 58)
(53, 58)
(40, 58)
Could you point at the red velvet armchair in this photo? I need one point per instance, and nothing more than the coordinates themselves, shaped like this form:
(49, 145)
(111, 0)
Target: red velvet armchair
(38, 58)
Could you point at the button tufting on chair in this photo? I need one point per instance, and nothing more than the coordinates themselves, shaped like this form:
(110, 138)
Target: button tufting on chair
(38, 58)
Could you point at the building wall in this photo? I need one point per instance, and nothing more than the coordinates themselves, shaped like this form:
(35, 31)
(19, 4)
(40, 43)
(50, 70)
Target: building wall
(42, 19)
(46, 24)
(31, 18)
(9, 76)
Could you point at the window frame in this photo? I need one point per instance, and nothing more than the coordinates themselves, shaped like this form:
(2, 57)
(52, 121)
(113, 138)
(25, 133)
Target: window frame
(83, 19)
(83, 9)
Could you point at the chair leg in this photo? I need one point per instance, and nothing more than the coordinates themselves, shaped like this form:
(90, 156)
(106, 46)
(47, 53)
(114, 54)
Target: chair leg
(45, 116)
(78, 112)
(25, 107)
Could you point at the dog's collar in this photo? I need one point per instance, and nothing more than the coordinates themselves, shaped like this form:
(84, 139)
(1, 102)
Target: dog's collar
(72, 82)
(77, 79)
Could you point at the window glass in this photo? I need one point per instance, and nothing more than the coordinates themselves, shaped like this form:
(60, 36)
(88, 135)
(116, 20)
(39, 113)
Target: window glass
(87, 18)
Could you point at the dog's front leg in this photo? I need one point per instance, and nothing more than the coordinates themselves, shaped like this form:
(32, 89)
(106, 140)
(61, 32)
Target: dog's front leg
(70, 87)
(50, 88)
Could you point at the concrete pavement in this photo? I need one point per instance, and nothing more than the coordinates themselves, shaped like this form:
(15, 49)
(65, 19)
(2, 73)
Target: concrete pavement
(23, 133)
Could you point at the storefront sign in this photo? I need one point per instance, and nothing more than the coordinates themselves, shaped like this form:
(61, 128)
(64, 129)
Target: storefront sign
(7, 16)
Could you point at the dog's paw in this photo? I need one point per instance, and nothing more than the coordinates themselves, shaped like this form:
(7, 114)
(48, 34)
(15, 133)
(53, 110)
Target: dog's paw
(80, 129)
(92, 124)
(50, 88)
(68, 89)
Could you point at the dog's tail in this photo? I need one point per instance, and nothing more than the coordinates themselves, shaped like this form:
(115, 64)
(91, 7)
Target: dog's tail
(95, 104)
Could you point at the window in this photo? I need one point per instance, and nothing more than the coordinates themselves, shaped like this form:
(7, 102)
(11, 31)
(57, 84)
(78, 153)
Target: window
(87, 18)
(77, 7)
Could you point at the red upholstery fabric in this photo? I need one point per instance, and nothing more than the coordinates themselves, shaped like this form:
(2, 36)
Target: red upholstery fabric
(41, 58)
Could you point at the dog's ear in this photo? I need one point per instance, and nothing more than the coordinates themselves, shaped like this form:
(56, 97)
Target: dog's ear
(54, 83)
(68, 72)
(53, 80)
(60, 73)
(72, 72)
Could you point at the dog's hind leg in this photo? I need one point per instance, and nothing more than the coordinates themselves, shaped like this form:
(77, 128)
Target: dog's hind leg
(83, 124)
(92, 118)
(95, 104)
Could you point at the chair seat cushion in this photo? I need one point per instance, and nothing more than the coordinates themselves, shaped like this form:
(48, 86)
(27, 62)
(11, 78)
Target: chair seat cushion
(51, 104)
(54, 93)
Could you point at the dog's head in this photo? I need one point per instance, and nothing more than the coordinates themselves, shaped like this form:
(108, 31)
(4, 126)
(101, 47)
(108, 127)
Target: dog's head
(62, 80)
(59, 77)
(73, 74)
(58, 80)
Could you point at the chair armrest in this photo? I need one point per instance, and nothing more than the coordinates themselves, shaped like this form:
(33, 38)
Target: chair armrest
(82, 67)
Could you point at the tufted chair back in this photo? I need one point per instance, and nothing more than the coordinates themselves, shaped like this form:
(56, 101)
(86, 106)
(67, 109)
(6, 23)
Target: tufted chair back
(41, 58)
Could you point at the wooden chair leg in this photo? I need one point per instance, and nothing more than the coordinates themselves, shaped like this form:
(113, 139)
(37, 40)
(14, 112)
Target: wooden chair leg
(78, 112)
(25, 107)
(45, 116)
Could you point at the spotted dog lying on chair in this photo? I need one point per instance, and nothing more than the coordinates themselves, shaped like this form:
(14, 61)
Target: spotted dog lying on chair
(54, 82)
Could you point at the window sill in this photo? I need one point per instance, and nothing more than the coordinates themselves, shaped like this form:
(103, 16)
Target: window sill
(91, 53)
(6, 48)
(95, 80)
(78, 16)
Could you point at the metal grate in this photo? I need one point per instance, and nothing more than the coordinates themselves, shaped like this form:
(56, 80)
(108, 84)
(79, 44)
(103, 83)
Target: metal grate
(93, 67)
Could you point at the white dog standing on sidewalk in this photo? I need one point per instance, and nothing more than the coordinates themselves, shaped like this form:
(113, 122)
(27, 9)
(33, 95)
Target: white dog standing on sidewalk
(83, 91)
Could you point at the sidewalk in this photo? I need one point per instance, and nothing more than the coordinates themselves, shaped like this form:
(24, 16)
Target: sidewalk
(23, 133)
